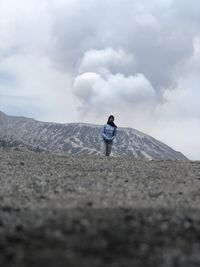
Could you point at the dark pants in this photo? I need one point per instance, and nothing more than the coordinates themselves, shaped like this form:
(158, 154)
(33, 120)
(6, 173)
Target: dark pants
(108, 148)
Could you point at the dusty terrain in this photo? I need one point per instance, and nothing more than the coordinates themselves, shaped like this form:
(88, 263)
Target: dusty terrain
(98, 211)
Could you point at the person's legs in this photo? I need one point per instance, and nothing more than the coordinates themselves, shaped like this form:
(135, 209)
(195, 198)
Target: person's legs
(108, 149)
(103, 148)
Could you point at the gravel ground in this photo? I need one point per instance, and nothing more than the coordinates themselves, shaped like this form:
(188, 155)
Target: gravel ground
(98, 211)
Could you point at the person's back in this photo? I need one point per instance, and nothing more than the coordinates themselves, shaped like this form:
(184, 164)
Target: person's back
(109, 133)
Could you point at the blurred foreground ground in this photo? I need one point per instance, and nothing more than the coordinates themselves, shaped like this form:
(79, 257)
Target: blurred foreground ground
(98, 211)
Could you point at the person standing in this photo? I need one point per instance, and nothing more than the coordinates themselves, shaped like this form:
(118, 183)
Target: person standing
(109, 132)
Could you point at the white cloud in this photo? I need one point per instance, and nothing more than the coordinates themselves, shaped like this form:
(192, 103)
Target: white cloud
(101, 82)
(112, 90)
(72, 60)
(178, 122)
(37, 89)
(109, 58)
(25, 28)
(183, 102)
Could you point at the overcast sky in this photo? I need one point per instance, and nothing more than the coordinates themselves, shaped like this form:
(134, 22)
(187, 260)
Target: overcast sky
(80, 61)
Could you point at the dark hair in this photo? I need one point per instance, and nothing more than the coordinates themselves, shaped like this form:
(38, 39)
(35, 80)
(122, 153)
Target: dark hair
(111, 116)
(111, 123)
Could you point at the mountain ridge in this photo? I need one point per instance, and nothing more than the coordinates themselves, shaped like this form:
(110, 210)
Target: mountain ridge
(82, 138)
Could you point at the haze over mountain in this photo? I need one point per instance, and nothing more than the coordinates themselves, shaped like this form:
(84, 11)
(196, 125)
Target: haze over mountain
(129, 57)
(78, 139)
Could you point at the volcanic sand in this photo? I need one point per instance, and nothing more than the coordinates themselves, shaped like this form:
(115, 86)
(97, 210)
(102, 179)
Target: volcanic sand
(63, 210)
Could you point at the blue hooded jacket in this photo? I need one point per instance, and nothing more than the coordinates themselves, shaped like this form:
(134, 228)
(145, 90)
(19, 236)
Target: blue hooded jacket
(108, 133)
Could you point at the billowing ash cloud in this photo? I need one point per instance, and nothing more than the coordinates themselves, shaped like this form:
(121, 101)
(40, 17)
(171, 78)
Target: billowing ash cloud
(101, 81)
(72, 60)
(95, 89)
(116, 61)
(158, 32)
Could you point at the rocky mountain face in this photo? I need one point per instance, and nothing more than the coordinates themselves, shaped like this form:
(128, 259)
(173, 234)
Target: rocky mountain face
(78, 139)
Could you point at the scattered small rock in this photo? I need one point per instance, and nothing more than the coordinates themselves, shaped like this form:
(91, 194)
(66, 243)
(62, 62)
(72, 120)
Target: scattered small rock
(7, 208)
(19, 228)
(155, 194)
(89, 203)
(128, 218)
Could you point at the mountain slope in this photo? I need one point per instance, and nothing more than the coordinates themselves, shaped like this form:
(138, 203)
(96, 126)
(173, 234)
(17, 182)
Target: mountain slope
(82, 138)
(10, 143)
